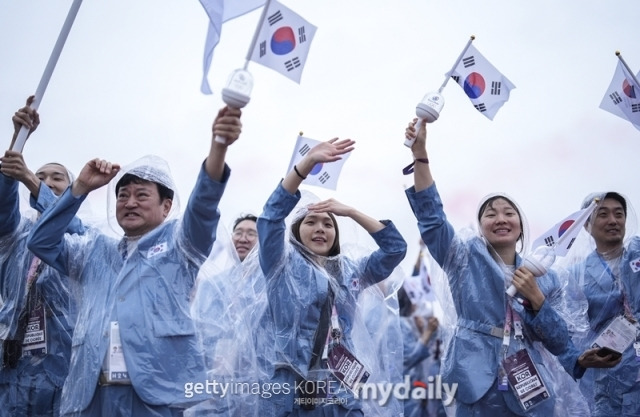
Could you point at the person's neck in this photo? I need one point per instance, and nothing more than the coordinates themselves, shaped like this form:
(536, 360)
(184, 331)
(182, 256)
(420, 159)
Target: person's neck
(506, 255)
(608, 252)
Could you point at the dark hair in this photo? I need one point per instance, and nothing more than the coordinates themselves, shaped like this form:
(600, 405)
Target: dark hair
(335, 248)
(620, 199)
(242, 218)
(127, 179)
(489, 203)
(404, 303)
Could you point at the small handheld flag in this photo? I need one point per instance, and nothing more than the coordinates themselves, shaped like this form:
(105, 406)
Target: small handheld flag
(323, 174)
(485, 86)
(623, 95)
(283, 41)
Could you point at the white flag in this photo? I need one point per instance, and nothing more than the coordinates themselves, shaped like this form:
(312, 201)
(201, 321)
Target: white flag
(487, 88)
(623, 96)
(323, 174)
(283, 42)
(220, 11)
(562, 235)
(418, 287)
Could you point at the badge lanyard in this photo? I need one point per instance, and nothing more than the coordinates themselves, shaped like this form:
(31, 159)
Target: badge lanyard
(625, 300)
(512, 320)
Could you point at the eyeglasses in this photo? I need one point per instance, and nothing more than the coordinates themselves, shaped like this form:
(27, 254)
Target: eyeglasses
(250, 234)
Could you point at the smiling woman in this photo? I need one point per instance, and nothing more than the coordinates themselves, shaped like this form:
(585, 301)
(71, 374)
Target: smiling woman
(493, 343)
(314, 292)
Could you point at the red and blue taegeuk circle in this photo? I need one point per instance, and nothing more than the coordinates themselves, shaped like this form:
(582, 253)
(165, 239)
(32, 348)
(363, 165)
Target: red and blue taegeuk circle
(283, 41)
(564, 227)
(474, 85)
(316, 168)
(628, 89)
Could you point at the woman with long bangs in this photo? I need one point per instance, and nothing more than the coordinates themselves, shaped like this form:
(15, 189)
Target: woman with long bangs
(313, 294)
(501, 355)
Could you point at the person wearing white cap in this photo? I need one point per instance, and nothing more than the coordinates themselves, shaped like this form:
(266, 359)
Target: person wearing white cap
(134, 349)
(36, 303)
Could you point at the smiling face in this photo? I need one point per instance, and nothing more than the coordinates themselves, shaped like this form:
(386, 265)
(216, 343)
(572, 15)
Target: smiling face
(139, 208)
(500, 223)
(608, 225)
(55, 176)
(317, 232)
(244, 237)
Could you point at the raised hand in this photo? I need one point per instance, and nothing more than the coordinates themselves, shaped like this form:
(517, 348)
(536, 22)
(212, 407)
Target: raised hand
(95, 174)
(330, 151)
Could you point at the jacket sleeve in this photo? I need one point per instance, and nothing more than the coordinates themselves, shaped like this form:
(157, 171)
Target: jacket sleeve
(46, 239)
(201, 216)
(551, 330)
(45, 199)
(271, 228)
(436, 232)
(391, 251)
(9, 205)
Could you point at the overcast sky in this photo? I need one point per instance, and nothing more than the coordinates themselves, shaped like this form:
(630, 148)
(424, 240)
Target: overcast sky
(127, 84)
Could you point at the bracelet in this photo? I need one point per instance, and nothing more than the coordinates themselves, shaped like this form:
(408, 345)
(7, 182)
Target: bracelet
(409, 168)
(295, 168)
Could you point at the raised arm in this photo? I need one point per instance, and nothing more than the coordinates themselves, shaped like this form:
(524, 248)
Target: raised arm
(368, 223)
(421, 173)
(227, 125)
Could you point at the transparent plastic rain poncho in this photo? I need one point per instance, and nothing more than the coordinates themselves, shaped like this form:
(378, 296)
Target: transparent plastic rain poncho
(470, 282)
(266, 311)
(37, 307)
(145, 285)
(611, 284)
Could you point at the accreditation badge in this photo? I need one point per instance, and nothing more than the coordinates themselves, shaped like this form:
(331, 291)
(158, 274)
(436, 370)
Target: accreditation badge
(346, 367)
(619, 334)
(526, 381)
(116, 366)
(35, 336)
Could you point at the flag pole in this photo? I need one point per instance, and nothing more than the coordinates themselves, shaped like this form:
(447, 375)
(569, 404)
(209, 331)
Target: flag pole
(257, 33)
(446, 79)
(48, 71)
(619, 55)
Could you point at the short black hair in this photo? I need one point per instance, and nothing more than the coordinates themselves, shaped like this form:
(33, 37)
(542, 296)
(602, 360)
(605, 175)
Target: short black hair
(620, 199)
(244, 217)
(164, 192)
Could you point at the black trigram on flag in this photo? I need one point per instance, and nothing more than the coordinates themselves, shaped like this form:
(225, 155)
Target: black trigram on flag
(263, 48)
(615, 97)
(324, 177)
(481, 107)
(302, 35)
(571, 243)
(468, 61)
(495, 88)
(635, 107)
(549, 241)
(275, 18)
(456, 78)
(292, 64)
(303, 151)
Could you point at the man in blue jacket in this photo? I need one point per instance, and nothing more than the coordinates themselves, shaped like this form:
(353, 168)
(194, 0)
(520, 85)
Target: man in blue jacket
(134, 350)
(610, 278)
(36, 305)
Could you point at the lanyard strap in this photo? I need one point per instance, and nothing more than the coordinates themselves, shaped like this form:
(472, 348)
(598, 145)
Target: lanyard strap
(618, 281)
(512, 320)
